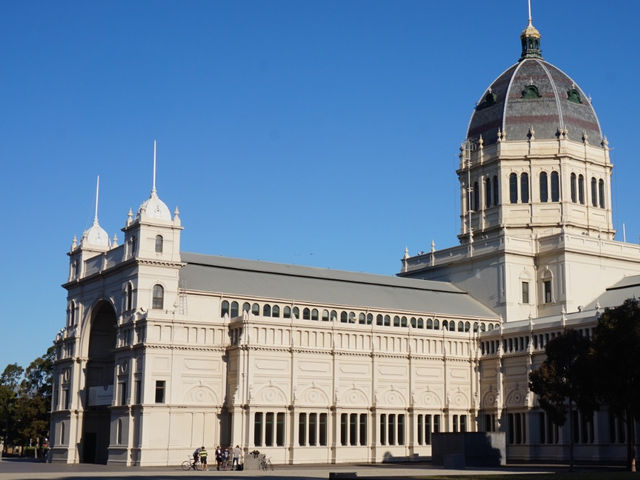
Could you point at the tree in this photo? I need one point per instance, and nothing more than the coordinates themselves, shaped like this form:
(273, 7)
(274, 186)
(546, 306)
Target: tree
(616, 346)
(564, 379)
(9, 384)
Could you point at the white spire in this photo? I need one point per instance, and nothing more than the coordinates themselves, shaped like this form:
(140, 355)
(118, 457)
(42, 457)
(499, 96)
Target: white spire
(529, 2)
(95, 216)
(153, 190)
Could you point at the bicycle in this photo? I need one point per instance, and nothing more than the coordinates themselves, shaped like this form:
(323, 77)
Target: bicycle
(189, 465)
(265, 463)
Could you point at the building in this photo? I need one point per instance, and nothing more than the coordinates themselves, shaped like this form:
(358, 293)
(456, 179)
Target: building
(164, 350)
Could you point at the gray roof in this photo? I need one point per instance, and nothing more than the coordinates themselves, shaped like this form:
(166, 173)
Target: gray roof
(615, 295)
(503, 106)
(238, 277)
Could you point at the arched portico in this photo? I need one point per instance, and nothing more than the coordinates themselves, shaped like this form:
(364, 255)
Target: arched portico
(99, 374)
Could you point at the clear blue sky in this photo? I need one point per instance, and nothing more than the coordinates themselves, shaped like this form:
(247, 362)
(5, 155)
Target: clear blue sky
(319, 133)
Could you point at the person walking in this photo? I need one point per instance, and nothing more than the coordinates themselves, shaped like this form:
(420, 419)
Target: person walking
(235, 464)
(203, 458)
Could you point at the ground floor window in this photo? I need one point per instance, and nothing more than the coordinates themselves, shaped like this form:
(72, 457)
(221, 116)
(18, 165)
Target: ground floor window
(268, 429)
(459, 423)
(312, 429)
(392, 428)
(426, 425)
(517, 428)
(549, 431)
(353, 429)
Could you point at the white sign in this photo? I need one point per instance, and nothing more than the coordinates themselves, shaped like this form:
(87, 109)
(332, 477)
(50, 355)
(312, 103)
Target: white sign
(101, 395)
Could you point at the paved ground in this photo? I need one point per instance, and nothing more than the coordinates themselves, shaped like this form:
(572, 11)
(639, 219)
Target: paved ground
(26, 470)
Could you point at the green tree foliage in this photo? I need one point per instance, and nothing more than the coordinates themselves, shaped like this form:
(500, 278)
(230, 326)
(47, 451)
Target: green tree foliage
(565, 379)
(616, 346)
(25, 401)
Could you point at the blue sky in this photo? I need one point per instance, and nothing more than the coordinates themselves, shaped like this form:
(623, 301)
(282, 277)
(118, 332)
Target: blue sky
(307, 132)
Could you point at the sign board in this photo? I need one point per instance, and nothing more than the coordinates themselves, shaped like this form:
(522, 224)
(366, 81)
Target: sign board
(102, 395)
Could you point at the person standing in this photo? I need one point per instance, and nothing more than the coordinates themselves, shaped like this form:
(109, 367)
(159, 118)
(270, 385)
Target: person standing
(235, 464)
(203, 458)
(196, 456)
(218, 457)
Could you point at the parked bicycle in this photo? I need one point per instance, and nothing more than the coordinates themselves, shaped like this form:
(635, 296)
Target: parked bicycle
(265, 463)
(189, 465)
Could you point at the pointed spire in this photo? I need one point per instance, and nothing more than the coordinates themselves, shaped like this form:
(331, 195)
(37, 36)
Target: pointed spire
(153, 189)
(95, 216)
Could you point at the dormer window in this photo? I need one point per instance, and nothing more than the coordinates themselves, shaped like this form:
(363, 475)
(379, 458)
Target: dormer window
(159, 243)
(573, 95)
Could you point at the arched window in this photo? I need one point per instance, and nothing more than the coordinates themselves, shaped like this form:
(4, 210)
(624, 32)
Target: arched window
(352, 317)
(325, 315)
(581, 189)
(234, 309)
(467, 326)
(445, 325)
(482, 327)
(132, 246)
(246, 307)
(129, 300)
(286, 312)
(429, 324)
(414, 322)
(224, 310)
(487, 192)
(475, 326)
(71, 313)
(420, 323)
(296, 312)
(379, 320)
(574, 197)
(362, 319)
(266, 310)
(524, 187)
(396, 321)
(513, 192)
(476, 196)
(387, 321)
(159, 243)
(158, 297)
(255, 309)
(314, 314)
(490, 326)
(275, 311)
(495, 190)
(555, 187)
(306, 314)
(601, 192)
(544, 187)
(369, 318)
(334, 316)
(460, 327)
(403, 321)
(594, 192)
(343, 317)
(436, 324)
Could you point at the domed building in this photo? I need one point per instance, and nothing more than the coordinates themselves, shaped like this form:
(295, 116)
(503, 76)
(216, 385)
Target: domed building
(164, 351)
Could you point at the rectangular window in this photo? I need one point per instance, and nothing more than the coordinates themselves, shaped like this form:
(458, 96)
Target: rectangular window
(343, 429)
(436, 423)
(518, 428)
(511, 437)
(427, 429)
(363, 429)
(138, 391)
(420, 430)
(268, 429)
(525, 292)
(66, 399)
(122, 387)
(353, 429)
(313, 427)
(542, 422)
(280, 429)
(401, 429)
(392, 429)
(547, 291)
(383, 429)
(323, 429)
(463, 423)
(160, 388)
(302, 429)
(455, 423)
(257, 430)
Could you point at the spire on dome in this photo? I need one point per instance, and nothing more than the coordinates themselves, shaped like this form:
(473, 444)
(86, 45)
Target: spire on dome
(96, 235)
(153, 207)
(530, 40)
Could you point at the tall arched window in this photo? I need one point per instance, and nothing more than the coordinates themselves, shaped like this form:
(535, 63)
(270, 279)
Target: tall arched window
(306, 314)
(581, 189)
(158, 297)
(594, 192)
(255, 309)
(159, 243)
(495, 190)
(246, 307)
(343, 317)
(275, 312)
(524, 187)
(487, 192)
(513, 188)
(129, 297)
(476, 196)
(574, 196)
(601, 192)
(286, 313)
(555, 187)
(296, 312)
(72, 313)
(325, 315)
(430, 323)
(234, 309)
(314, 314)
(436, 324)
(266, 310)
(224, 309)
(544, 187)
(379, 320)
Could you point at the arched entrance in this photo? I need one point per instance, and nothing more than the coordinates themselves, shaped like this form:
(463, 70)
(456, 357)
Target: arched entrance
(99, 385)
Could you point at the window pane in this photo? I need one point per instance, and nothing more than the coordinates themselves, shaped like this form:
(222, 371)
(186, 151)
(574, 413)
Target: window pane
(286, 312)
(392, 429)
(323, 429)
(581, 189)
(601, 192)
(594, 192)
(268, 429)
(275, 312)
(420, 429)
(495, 190)
(266, 311)
(314, 314)
(363, 429)
(555, 187)
(427, 429)
(383, 429)
(158, 297)
(513, 188)
(302, 429)
(401, 429)
(257, 430)
(159, 243)
(525, 292)
(487, 192)
(160, 389)
(255, 309)
(313, 426)
(573, 188)
(224, 310)
(524, 187)
(353, 429)
(280, 429)
(544, 188)
(343, 429)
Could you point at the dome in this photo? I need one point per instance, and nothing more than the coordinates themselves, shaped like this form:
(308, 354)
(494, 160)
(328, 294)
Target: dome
(95, 236)
(154, 208)
(533, 94)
